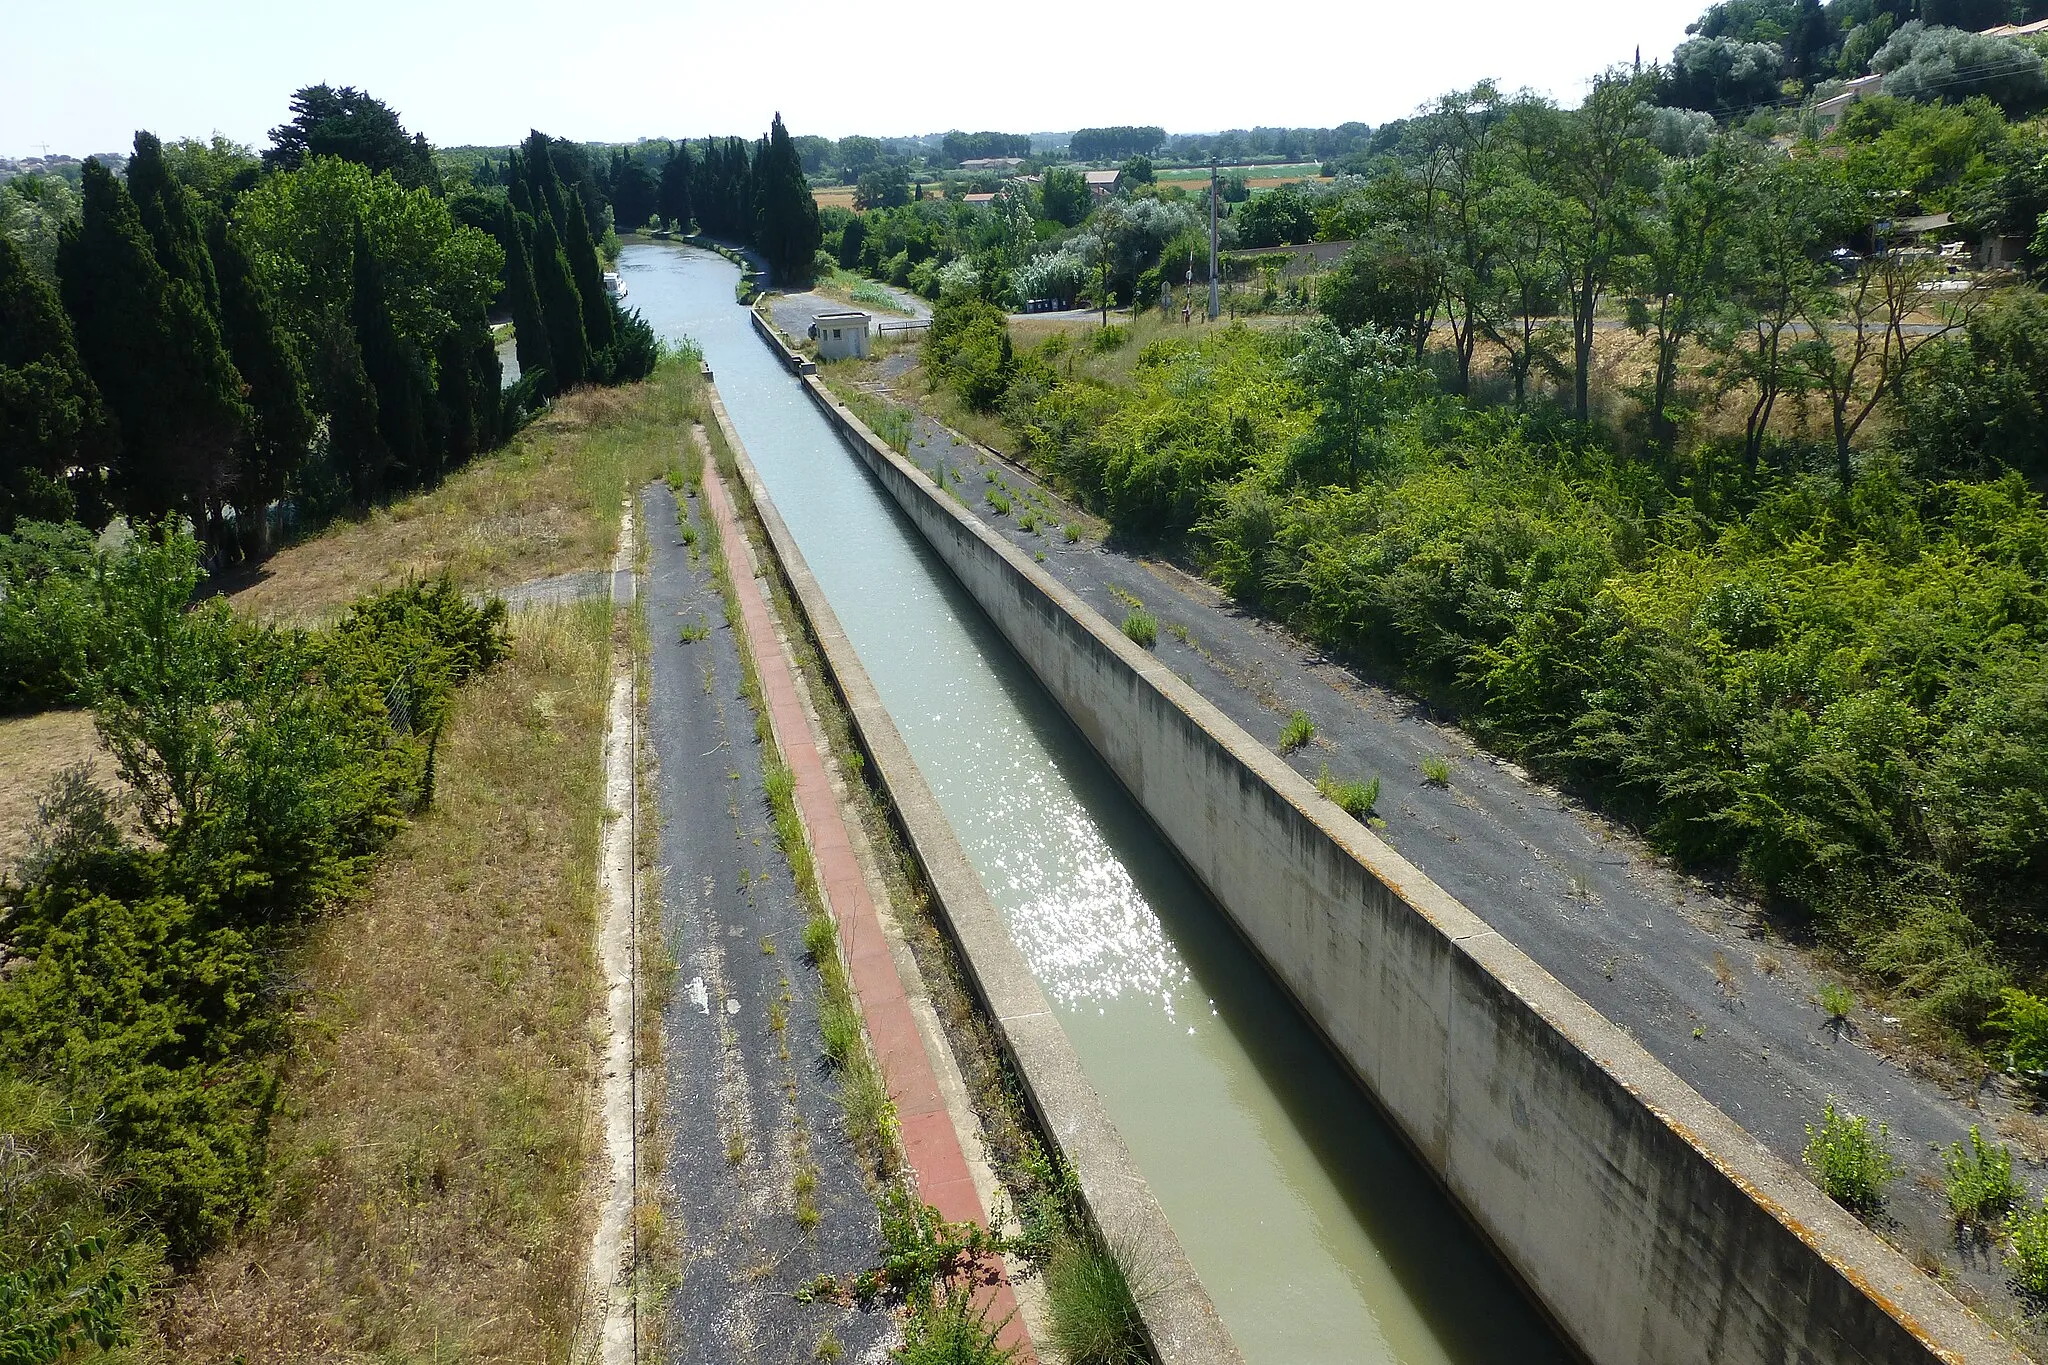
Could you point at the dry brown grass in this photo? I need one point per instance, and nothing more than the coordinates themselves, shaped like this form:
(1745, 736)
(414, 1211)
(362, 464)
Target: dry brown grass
(34, 749)
(548, 503)
(430, 1157)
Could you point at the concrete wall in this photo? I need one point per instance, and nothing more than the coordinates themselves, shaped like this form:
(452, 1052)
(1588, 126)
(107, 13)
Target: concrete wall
(1650, 1226)
(1180, 1319)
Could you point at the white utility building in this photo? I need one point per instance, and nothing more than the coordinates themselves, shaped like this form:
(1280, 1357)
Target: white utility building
(840, 335)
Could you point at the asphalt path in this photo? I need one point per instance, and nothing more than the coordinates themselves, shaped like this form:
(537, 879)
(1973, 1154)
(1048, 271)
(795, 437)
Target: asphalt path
(740, 1028)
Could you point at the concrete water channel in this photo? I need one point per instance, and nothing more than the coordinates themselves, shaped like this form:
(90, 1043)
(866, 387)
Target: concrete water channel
(1314, 1230)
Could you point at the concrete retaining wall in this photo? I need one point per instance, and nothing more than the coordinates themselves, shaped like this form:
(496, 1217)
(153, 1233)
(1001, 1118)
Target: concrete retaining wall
(1649, 1225)
(1179, 1317)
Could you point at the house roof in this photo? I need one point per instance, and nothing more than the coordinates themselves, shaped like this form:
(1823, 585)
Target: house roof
(842, 316)
(978, 198)
(1926, 222)
(1101, 177)
(2017, 30)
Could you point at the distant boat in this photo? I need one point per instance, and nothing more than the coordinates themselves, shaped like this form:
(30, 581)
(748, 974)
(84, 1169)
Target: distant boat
(613, 285)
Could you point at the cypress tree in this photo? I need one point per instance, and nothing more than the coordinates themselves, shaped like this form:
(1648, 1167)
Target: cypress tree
(397, 377)
(786, 223)
(153, 348)
(589, 276)
(529, 331)
(678, 178)
(282, 431)
(543, 183)
(560, 308)
(51, 418)
(172, 217)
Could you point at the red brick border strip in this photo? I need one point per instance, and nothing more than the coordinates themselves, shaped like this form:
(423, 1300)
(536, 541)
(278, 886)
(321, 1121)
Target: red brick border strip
(930, 1143)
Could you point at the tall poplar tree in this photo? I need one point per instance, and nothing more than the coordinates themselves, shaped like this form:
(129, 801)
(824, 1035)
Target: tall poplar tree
(151, 345)
(529, 329)
(51, 418)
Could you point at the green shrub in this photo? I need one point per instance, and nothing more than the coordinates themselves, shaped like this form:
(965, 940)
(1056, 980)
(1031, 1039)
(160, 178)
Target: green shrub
(999, 502)
(1852, 1163)
(2026, 1252)
(1980, 1187)
(1091, 1307)
(2021, 1023)
(1141, 628)
(956, 1332)
(1436, 771)
(1299, 730)
(1837, 1001)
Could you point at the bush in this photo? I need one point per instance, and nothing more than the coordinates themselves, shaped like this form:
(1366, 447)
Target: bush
(1852, 1163)
(968, 348)
(2026, 1254)
(1141, 628)
(956, 1332)
(1091, 1307)
(2021, 1023)
(1980, 1187)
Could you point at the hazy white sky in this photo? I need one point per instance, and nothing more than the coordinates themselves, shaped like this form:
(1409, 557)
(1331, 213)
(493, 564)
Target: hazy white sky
(82, 78)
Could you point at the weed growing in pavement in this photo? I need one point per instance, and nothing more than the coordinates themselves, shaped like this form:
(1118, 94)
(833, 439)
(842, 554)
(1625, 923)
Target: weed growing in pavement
(1129, 599)
(735, 1146)
(767, 947)
(1299, 730)
(1980, 1187)
(1072, 533)
(828, 1349)
(1180, 633)
(1768, 964)
(821, 939)
(1355, 799)
(2026, 1253)
(839, 1028)
(694, 631)
(1836, 1001)
(804, 1193)
(999, 502)
(1092, 1304)
(955, 1332)
(1142, 629)
(1851, 1161)
(1028, 522)
(1436, 770)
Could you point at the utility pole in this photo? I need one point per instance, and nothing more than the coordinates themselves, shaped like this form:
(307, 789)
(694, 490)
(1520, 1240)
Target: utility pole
(1215, 302)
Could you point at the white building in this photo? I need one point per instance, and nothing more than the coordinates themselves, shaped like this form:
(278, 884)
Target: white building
(840, 335)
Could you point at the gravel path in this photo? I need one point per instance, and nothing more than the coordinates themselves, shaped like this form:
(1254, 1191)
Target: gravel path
(1693, 974)
(746, 1077)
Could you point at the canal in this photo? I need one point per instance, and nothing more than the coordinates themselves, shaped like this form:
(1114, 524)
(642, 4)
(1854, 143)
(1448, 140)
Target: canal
(1316, 1233)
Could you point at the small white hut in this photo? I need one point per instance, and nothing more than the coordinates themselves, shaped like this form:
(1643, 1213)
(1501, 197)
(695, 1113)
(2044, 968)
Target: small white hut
(840, 335)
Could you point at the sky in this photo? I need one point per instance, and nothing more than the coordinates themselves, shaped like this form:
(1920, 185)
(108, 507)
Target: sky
(485, 74)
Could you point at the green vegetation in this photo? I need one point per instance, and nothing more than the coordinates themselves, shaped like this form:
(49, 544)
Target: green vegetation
(1299, 730)
(1355, 799)
(1436, 770)
(1851, 1161)
(1837, 1001)
(1981, 1188)
(269, 767)
(1091, 1308)
(1141, 629)
(2026, 1254)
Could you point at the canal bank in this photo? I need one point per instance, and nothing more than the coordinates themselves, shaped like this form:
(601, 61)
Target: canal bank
(1649, 1224)
(1316, 1231)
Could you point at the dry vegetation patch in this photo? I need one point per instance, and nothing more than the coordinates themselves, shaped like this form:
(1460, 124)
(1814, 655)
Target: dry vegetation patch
(33, 750)
(548, 503)
(429, 1157)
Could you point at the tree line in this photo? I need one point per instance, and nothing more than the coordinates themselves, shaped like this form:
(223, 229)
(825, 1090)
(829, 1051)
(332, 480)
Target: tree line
(218, 338)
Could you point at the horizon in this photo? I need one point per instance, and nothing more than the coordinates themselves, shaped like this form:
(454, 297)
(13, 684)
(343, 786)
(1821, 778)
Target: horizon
(230, 67)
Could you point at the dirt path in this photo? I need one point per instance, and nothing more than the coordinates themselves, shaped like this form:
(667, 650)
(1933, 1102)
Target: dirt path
(1694, 975)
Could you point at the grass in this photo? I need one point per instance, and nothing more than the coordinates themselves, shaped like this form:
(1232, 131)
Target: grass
(33, 750)
(1436, 770)
(1142, 629)
(999, 502)
(693, 631)
(1072, 533)
(1356, 799)
(431, 1150)
(1299, 730)
(1850, 1160)
(548, 503)
(1092, 1306)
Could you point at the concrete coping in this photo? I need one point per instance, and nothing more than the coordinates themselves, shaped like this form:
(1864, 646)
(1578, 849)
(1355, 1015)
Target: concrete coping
(1179, 1316)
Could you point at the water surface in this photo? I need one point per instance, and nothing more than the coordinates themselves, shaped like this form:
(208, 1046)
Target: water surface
(1314, 1230)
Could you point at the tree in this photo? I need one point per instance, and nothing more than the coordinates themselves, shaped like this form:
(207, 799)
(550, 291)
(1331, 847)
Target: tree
(634, 193)
(173, 222)
(1721, 75)
(278, 437)
(153, 349)
(886, 187)
(1387, 290)
(1275, 218)
(561, 308)
(1461, 137)
(1522, 288)
(529, 328)
(399, 380)
(857, 155)
(786, 226)
(589, 276)
(1600, 168)
(353, 125)
(1137, 170)
(1922, 63)
(1065, 196)
(33, 212)
(51, 419)
(1359, 378)
(672, 201)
